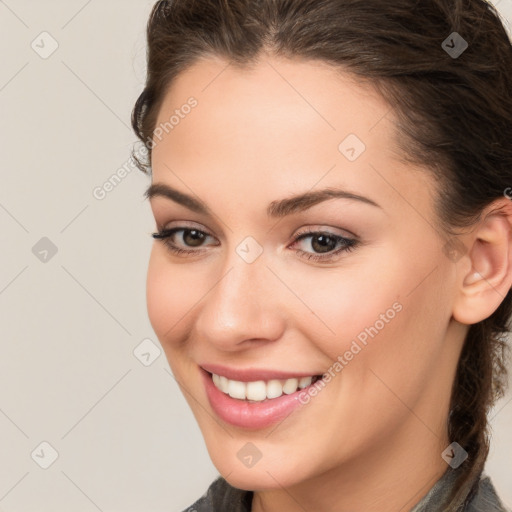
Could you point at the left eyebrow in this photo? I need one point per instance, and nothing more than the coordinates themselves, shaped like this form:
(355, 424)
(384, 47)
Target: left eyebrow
(302, 202)
(276, 209)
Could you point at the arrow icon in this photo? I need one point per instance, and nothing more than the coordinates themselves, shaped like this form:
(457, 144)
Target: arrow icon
(146, 352)
(249, 455)
(454, 455)
(44, 455)
(44, 45)
(44, 250)
(351, 147)
(454, 45)
(249, 253)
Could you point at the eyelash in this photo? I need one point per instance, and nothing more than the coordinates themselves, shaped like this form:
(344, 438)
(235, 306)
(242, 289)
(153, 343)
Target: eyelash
(348, 244)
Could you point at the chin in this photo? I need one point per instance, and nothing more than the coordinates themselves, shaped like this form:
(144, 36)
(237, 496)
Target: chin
(272, 474)
(253, 480)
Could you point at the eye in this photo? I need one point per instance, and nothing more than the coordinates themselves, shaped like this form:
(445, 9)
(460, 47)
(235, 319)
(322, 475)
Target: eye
(190, 237)
(328, 245)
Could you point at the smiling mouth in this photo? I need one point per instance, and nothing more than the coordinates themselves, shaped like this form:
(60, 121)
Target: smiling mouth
(261, 390)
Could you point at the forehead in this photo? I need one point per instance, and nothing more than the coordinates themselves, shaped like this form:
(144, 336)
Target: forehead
(274, 109)
(277, 92)
(281, 126)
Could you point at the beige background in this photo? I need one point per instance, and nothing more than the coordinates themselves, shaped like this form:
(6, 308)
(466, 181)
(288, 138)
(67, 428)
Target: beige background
(125, 438)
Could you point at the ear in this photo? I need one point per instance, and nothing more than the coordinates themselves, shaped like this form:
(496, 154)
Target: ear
(482, 288)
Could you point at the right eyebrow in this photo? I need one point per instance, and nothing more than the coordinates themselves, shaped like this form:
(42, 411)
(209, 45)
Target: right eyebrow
(163, 190)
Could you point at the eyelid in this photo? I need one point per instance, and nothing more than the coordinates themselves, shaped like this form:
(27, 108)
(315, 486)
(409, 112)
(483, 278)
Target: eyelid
(320, 228)
(184, 224)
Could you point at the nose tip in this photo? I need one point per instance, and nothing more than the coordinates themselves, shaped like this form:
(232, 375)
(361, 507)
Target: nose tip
(241, 307)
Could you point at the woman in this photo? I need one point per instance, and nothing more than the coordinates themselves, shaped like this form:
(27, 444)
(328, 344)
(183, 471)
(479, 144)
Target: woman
(331, 273)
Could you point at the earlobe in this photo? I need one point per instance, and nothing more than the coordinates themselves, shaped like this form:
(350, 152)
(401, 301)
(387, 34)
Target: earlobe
(486, 284)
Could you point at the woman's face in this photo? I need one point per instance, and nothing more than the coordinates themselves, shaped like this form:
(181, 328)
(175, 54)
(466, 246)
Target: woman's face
(251, 302)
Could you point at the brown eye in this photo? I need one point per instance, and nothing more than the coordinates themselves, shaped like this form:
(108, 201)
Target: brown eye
(323, 243)
(325, 246)
(182, 245)
(193, 237)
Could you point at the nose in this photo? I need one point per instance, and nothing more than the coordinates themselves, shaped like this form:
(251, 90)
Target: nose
(243, 307)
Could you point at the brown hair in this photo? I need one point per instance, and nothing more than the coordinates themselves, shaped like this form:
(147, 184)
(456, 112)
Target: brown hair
(454, 118)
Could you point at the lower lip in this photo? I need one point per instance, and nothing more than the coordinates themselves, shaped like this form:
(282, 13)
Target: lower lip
(250, 415)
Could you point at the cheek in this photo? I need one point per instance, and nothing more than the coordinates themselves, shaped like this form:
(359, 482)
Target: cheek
(392, 340)
(383, 304)
(346, 304)
(170, 294)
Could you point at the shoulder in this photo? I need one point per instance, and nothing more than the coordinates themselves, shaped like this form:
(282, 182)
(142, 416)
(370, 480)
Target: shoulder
(486, 498)
(222, 497)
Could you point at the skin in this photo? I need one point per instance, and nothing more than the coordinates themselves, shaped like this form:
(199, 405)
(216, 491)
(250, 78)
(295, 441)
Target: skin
(372, 439)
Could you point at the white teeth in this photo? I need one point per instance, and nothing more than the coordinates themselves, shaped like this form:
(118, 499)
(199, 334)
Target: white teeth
(305, 382)
(256, 391)
(260, 390)
(290, 386)
(236, 389)
(223, 384)
(274, 389)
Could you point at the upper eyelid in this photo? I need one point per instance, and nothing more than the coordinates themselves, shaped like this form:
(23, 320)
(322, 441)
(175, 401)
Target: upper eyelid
(184, 225)
(329, 229)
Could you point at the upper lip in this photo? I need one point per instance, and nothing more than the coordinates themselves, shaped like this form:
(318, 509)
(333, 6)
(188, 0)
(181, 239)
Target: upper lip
(253, 374)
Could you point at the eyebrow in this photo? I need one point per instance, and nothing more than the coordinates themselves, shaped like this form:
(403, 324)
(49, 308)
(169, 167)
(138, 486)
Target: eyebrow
(276, 209)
